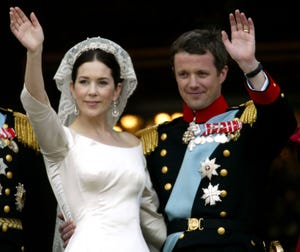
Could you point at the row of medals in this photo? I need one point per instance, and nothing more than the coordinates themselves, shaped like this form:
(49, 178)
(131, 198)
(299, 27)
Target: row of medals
(193, 137)
(10, 143)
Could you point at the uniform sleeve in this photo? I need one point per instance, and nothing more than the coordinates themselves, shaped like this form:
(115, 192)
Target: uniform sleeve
(152, 222)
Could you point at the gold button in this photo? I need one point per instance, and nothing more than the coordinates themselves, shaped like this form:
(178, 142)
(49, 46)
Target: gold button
(223, 214)
(226, 153)
(163, 136)
(163, 152)
(164, 169)
(6, 209)
(168, 186)
(181, 236)
(9, 175)
(221, 230)
(253, 243)
(5, 126)
(223, 172)
(22, 249)
(223, 193)
(8, 158)
(282, 95)
(4, 227)
(7, 191)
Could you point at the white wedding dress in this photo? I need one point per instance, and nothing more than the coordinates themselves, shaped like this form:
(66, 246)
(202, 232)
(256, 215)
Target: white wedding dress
(105, 189)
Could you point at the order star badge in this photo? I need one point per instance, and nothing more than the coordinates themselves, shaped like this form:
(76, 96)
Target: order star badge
(3, 166)
(208, 168)
(211, 194)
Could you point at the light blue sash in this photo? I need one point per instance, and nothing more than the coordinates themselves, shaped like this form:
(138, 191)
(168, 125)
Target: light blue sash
(188, 180)
(2, 119)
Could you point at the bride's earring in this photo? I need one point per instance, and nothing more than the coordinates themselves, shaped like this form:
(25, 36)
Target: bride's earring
(76, 111)
(115, 111)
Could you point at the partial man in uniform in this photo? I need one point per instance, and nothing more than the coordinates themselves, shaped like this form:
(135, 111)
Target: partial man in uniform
(295, 138)
(27, 202)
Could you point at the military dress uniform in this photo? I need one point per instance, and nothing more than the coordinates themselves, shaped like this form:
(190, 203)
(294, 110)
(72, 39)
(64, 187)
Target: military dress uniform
(210, 167)
(27, 203)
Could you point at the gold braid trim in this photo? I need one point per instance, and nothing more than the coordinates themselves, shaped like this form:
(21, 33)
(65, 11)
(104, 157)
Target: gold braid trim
(24, 131)
(7, 223)
(149, 138)
(250, 114)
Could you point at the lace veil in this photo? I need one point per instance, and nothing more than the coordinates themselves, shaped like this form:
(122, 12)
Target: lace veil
(63, 77)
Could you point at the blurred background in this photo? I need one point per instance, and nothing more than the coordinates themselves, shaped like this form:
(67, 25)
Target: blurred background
(146, 30)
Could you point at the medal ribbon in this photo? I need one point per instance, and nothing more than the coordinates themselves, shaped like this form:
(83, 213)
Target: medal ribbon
(7, 133)
(222, 127)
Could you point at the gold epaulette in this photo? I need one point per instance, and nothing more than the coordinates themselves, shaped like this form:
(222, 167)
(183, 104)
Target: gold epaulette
(249, 115)
(149, 138)
(24, 131)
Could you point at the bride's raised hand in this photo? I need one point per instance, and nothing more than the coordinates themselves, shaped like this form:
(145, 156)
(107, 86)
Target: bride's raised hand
(27, 30)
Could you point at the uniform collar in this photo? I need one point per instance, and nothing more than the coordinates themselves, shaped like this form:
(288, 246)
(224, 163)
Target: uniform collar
(219, 106)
